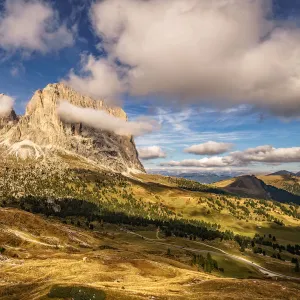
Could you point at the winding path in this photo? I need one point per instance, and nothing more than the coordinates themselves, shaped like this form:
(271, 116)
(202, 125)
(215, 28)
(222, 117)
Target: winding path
(221, 252)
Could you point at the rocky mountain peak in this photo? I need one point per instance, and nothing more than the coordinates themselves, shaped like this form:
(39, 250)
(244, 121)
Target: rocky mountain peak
(8, 121)
(40, 131)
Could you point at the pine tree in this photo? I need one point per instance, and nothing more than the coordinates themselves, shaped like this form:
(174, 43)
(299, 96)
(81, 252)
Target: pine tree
(208, 256)
(209, 264)
(207, 267)
(297, 267)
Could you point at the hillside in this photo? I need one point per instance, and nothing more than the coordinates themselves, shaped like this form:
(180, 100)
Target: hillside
(282, 173)
(248, 186)
(79, 219)
(29, 184)
(262, 187)
(84, 197)
(45, 259)
(288, 183)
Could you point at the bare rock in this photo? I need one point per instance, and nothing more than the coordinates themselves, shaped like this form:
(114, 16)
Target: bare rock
(41, 132)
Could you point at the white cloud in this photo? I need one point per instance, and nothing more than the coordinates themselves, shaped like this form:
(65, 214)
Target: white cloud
(211, 162)
(267, 154)
(151, 152)
(209, 148)
(32, 25)
(261, 154)
(6, 105)
(224, 51)
(178, 120)
(99, 79)
(102, 120)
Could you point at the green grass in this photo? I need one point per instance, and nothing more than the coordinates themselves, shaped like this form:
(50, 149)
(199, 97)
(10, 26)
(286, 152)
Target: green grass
(232, 268)
(236, 269)
(273, 264)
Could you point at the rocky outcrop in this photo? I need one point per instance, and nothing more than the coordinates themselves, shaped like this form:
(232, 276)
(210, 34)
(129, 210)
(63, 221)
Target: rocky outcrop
(41, 132)
(7, 122)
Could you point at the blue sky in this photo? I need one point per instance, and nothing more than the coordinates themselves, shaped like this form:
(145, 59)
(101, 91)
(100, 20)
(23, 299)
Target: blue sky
(182, 124)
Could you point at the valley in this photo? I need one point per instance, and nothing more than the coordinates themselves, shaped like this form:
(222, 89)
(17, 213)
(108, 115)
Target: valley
(149, 150)
(50, 255)
(83, 220)
(157, 230)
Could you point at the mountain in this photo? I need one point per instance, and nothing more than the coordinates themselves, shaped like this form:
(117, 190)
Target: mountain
(146, 233)
(251, 186)
(282, 173)
(72, 217)
(248, 185)
(206, 177)
(41, 133)
(284, 182)
(298, 174)
(7, 122)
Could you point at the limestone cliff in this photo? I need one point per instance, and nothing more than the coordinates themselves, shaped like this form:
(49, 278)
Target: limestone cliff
(7, 122)
(40, 132)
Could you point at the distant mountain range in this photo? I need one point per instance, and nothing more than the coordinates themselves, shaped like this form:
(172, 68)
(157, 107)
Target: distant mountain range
(285, 173)
(205, 177)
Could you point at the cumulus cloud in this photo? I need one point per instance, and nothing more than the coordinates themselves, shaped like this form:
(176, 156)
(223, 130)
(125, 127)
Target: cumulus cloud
(225, 52)
(6, 105)
(267, 154)
(151, 152)
(98, 79)
(211, 162)
(101, 120)
(32, 25)
(209, 148)
(261, 154)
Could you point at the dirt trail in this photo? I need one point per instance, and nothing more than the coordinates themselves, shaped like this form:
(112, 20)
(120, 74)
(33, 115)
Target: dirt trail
(221, 252)
(29, 238)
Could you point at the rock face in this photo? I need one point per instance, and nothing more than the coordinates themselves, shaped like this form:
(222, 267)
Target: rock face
(40, 132)
(7, 122)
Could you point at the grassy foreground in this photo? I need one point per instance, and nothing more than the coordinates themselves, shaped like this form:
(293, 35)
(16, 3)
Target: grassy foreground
(47, 259)
(64, 233)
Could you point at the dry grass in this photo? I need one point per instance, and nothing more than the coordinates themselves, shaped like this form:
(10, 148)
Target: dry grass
(44, 252)
(186, 203)
(223, 183)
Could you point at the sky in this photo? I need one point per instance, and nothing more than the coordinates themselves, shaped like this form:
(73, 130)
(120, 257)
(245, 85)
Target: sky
(207, 85)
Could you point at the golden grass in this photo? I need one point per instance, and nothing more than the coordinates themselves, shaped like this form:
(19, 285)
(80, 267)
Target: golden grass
(223, 183)
(132, 269)
(186, 203)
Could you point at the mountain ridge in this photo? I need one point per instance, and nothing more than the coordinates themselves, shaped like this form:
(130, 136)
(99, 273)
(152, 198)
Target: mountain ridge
(284, 173)
(41, 132)
(250, 185)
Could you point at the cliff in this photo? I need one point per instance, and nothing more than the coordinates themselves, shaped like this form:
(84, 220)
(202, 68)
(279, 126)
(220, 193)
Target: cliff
(40, 132)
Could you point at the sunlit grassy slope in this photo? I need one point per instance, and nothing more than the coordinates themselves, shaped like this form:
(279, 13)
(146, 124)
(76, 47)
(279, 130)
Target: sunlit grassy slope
(43, 256)
(151, 196)
(285, 182)
(245, 216)
(288, 183)
(40, 253)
